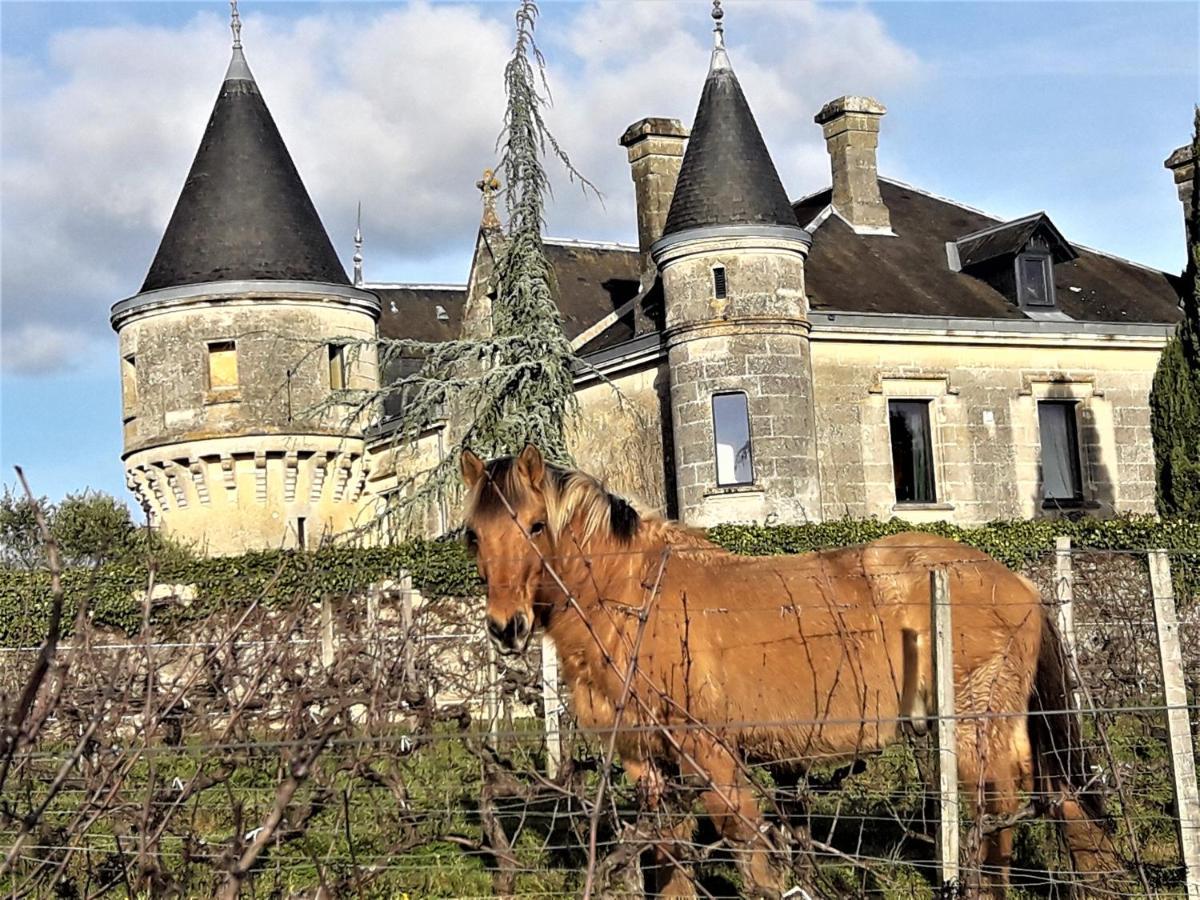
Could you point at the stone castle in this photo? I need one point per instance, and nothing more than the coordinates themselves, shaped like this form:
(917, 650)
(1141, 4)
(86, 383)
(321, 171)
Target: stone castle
(867, 350)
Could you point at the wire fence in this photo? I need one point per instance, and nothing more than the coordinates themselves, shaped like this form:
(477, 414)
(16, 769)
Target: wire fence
(376, 744)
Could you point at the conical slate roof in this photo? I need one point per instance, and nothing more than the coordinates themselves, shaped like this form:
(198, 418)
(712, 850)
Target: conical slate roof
(244, 213)
(727, 177)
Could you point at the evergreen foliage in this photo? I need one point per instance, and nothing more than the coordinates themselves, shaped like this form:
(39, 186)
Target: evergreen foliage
(1175, 395)
(514, 386)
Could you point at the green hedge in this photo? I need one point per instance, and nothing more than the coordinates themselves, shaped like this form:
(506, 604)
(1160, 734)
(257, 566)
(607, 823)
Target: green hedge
(442, 567)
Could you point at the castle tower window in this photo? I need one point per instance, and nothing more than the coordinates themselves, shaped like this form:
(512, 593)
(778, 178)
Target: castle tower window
(912, 451)
(301, 537)
(719, 287)
(129, 385)
(222, 365)
(337, 367)
(731, 431)
(1035, 286)
(1062, 477)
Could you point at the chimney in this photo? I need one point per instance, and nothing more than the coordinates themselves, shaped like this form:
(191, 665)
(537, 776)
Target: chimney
(655, 154)
(1182, 164)
(851, 127)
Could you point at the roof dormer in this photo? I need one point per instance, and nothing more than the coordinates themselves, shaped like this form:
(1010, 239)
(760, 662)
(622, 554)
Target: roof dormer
(1016, 258)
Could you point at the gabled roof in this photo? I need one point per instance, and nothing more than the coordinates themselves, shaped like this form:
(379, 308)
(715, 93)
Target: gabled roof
(1010, 238)
(727, 176)
(244, 213)
(909, 274)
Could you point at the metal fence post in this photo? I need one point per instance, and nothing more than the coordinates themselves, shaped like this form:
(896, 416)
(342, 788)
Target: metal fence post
(1183, 758)
(552, 706)
(946, 758)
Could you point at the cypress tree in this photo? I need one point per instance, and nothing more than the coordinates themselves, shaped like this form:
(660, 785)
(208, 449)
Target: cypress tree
(513, 386)
(1175, 395)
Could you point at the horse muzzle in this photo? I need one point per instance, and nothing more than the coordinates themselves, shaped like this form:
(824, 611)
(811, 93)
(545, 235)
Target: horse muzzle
(511, 637)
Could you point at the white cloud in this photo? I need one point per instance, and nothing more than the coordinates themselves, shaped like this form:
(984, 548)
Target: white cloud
(38, 348)
(398, 107)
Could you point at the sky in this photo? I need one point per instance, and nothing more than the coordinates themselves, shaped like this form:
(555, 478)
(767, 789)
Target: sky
(1067, 107)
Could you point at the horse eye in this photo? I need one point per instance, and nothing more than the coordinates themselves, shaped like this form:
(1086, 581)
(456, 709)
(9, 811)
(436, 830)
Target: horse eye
(537, 527)
(472, 538)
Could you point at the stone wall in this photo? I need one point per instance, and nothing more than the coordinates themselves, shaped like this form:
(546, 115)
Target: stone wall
(983, 397)
(238, 449)
(622, 436)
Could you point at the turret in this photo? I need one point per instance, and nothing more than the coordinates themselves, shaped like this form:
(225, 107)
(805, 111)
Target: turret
(234, 350)
(732, 263)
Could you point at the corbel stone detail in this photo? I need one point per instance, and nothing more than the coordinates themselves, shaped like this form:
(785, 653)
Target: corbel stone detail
(291, 469)
(200, 481)
(229, 473)
(260, 477)
(320, 469)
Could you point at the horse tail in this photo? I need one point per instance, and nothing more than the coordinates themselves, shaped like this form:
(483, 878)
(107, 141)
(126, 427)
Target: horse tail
(1067, 790)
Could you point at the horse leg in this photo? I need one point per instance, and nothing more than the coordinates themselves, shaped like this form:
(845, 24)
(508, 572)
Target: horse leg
(668, 878)
(729, 802)
(1009, 772)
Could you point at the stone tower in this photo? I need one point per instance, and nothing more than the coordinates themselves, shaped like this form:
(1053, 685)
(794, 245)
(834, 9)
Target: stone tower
(732, 263)
(233, 351)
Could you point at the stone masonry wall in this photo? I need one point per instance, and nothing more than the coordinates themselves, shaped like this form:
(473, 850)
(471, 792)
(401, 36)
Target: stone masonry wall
(983, 403)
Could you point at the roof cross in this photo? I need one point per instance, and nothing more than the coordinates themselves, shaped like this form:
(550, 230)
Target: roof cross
(489, 185)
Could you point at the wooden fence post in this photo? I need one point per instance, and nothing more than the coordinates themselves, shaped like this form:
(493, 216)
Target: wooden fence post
(327, 636)
(552, 705)
(1064, 593)
(407, 650)
(1183, 758)
(946, 758)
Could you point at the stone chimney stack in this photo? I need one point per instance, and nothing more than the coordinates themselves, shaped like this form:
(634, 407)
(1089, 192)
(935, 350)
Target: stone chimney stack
(1183, 167)
(655, 148)
(851, 127)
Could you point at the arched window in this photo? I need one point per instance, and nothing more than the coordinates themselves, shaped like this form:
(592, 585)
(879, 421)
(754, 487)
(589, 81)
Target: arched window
(731, 434)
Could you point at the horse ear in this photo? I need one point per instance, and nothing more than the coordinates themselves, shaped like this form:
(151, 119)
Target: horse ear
(531, 463)
(472, 468)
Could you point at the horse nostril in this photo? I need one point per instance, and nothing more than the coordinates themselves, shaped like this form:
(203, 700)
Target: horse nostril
(495, 629)
(520, 627)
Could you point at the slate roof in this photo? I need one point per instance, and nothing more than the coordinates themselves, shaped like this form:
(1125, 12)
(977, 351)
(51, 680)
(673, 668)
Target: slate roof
(244, 213)
(590, 280)
(909, 274)
(727, 176)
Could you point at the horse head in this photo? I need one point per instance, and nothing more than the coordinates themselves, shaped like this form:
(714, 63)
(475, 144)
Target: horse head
(508, 533)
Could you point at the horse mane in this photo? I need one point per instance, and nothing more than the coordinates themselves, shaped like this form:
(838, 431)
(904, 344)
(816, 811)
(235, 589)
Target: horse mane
(571, 494)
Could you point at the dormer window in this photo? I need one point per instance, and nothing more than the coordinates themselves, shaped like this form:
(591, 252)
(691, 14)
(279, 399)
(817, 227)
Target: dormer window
(1035, 282)
(1016, 258)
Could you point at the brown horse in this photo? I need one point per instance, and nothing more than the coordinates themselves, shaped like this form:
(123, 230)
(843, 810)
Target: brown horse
(700, 659)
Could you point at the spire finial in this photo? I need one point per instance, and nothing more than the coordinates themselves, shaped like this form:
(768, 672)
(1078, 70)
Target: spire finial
(488, 186)
(718, 26)
(235, 24)
(358, 242)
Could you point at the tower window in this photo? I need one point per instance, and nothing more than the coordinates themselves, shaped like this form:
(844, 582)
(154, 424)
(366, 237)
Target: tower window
(129, 383)
(1062, 478)
(337, 367)
(301, 536)
(731, 431)
(719, 287)
(1035, 286)
(222, 365)
(912, 451)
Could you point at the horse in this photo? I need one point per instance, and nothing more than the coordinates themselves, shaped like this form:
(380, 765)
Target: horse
(690, 656)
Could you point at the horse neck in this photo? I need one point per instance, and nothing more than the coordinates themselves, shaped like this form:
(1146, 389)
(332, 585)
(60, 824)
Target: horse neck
(603, 569)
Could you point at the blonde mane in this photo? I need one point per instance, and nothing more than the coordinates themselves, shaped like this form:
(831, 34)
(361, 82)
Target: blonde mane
(572, 496)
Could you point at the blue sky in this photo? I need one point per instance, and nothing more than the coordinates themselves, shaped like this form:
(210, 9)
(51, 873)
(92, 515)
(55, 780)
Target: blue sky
(1010, 107)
